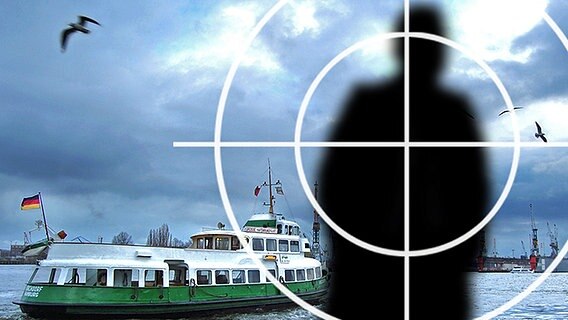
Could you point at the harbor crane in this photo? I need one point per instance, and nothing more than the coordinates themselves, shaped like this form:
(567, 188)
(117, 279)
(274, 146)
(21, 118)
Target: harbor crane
(535, 250)
(524, 250)
(553, 234)
(495, 253)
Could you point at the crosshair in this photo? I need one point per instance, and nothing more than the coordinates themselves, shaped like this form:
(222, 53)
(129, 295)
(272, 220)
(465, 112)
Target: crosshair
(297, 144)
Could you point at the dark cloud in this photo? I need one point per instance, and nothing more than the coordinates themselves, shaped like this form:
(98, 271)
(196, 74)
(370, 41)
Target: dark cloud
(92, 128)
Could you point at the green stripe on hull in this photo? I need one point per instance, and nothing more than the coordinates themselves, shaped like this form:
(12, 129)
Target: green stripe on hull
(159, 310)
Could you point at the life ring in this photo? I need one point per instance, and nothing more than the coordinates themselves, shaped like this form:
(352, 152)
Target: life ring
(281, 279)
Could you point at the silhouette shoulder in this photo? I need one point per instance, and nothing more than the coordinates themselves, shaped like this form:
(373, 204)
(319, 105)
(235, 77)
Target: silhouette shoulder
(366, 106)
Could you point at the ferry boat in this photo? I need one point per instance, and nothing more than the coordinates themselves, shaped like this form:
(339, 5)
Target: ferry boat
(87, 280)
(521, 269)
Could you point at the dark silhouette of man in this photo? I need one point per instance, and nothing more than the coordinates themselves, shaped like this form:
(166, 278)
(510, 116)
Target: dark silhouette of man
(363, 189)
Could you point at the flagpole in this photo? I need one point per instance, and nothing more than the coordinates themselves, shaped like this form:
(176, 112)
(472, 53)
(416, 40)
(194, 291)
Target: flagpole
(43, 214)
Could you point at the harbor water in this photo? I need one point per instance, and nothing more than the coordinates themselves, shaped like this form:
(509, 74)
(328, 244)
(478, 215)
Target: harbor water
(488, 292)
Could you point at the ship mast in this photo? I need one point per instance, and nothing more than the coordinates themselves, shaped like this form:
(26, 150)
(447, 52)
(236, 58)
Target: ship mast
(271, 197)
(269, 185)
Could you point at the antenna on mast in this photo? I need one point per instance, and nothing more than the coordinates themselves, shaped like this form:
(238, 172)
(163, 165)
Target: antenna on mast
(269, 185)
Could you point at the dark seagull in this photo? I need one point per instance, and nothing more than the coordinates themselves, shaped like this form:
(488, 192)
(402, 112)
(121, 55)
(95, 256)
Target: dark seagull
(507, 110)
(539, 133)
(76, 26)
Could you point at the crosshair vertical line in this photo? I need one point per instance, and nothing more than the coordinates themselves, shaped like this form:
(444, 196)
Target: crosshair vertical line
(406, 160)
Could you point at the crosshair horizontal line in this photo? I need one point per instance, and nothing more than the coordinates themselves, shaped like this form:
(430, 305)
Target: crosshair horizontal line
(327, 144)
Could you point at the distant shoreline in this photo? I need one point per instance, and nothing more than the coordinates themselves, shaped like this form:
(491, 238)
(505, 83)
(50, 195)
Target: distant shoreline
(12, 262)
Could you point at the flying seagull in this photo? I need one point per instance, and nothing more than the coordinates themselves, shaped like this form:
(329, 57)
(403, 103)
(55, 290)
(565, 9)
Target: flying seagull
(76, 26)
(539, 133)
(507, 110)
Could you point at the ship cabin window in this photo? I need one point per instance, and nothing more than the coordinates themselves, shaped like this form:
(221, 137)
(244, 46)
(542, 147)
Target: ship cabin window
(221, 276)
(310, 274)
(253, 276)
(283, 245)
(203, 276)
(286, 230)
(153, 278)
(54, 275)
(178, 276)
(238, 276)
(101, 277)
(222, 243)
(273, 272)
(235, 243)
(294, 246)
(318, 272)
(306, 245)
(279, 228)
(135, 280)
(122, 278)
(300, 275)
(208, 242)
(205, 243)
(257, 244)
(45, 275)
(33, 276)
(271, 245)
(93, 276)
(289, 275)
(295, 230)
(75, 276)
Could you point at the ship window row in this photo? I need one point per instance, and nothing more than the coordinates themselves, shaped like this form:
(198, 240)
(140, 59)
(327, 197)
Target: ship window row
(155, 278)
(100, 277)
(258, 244)
(288, 229)
(226, 276)
(282, 245)
(218, 243)
(291, 275)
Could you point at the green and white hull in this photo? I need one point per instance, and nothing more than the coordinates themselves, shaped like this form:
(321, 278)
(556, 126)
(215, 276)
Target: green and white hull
(89, 280)
(165, 302)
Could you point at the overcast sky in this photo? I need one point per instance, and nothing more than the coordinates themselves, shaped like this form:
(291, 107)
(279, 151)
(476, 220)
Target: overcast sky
(92, 128)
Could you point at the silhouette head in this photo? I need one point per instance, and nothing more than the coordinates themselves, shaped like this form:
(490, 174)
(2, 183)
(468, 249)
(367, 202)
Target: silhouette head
(426, 56)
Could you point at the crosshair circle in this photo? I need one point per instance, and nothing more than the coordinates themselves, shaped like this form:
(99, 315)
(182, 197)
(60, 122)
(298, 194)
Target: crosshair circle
(219, 167)
(347, 235)
(230, 213)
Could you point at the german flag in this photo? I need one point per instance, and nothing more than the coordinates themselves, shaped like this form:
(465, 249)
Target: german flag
(30, 203)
